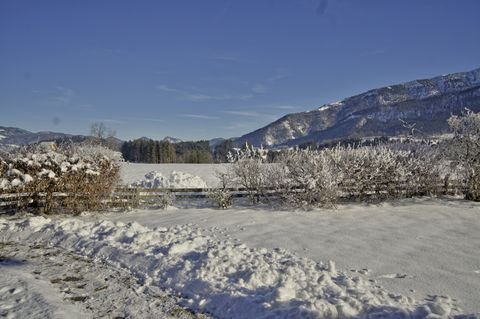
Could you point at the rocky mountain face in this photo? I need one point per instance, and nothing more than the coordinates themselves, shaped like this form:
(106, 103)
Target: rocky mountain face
(421, 107)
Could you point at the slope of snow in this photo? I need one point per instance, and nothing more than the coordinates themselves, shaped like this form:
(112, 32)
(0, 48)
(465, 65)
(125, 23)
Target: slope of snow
(228, 279)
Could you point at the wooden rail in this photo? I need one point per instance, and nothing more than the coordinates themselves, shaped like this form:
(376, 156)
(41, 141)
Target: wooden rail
(135, 197)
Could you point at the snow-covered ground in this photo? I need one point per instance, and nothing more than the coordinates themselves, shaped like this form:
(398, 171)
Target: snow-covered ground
(414, 247)
(397, 260)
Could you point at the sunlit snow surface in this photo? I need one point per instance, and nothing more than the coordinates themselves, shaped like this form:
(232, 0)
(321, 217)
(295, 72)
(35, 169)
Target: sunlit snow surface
(226, 263)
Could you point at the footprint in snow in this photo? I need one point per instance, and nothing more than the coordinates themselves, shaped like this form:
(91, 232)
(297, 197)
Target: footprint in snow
(363, 271)
(395, 276)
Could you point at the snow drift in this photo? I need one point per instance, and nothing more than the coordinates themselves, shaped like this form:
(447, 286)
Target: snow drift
(176, 179)
(227, 279)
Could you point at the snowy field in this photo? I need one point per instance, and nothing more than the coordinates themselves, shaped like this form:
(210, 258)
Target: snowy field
(414, 258)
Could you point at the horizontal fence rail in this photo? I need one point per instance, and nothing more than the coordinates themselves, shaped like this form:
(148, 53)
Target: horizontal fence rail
(124, 196)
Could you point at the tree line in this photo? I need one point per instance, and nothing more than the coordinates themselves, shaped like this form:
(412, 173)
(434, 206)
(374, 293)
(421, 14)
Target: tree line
(145, 150)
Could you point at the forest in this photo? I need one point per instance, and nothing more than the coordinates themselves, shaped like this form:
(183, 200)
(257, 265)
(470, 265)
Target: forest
(145, 150)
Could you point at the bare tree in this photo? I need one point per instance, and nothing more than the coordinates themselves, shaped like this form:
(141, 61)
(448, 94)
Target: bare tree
(409, 126)
(103, 135)
(101, 131)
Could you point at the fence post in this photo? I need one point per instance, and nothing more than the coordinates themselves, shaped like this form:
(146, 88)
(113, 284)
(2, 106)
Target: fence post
(136, 198)
(446, 184)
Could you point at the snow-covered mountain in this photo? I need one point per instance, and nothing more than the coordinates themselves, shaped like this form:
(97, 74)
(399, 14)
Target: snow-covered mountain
(172, 139)
(422, 106)
(17, 136)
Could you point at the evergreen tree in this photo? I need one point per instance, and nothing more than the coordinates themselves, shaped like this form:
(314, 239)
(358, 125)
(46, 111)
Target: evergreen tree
(221, 151)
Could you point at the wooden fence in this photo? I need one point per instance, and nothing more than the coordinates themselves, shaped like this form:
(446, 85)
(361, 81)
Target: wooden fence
(138, 197)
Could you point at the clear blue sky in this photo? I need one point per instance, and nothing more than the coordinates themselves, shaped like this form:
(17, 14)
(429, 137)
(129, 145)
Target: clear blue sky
(215, 68)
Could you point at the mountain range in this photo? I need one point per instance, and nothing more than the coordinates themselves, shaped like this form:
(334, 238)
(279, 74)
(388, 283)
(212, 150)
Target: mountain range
(17, 136)
(419, 108)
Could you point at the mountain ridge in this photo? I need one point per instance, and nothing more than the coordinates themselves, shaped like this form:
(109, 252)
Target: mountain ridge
(421, 106)
(15, 136)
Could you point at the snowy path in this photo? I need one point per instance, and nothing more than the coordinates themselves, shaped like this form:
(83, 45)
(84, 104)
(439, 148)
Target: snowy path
(47, 282)
(26, 295)
(415, 247)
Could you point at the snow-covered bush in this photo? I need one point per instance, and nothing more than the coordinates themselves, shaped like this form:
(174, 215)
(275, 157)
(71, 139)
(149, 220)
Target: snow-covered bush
(73, 177)
(251, 174)
(249, 170)
(317, 178)
(167, 199)
(247, 151)
(311, 179)
(388, 172)
(466, 147)
(301, 178)
(222, 198)
(421, 171)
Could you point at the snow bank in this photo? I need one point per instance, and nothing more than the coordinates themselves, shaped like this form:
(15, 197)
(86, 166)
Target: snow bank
(132, 172)
(176, 179)
(226, 279)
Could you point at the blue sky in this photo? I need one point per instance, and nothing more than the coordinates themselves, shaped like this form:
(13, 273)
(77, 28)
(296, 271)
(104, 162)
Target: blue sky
(215, 68)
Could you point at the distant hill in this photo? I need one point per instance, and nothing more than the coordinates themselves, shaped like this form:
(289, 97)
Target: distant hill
(420, 106)
(13, 136)
(16, 137)
(216, 141)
